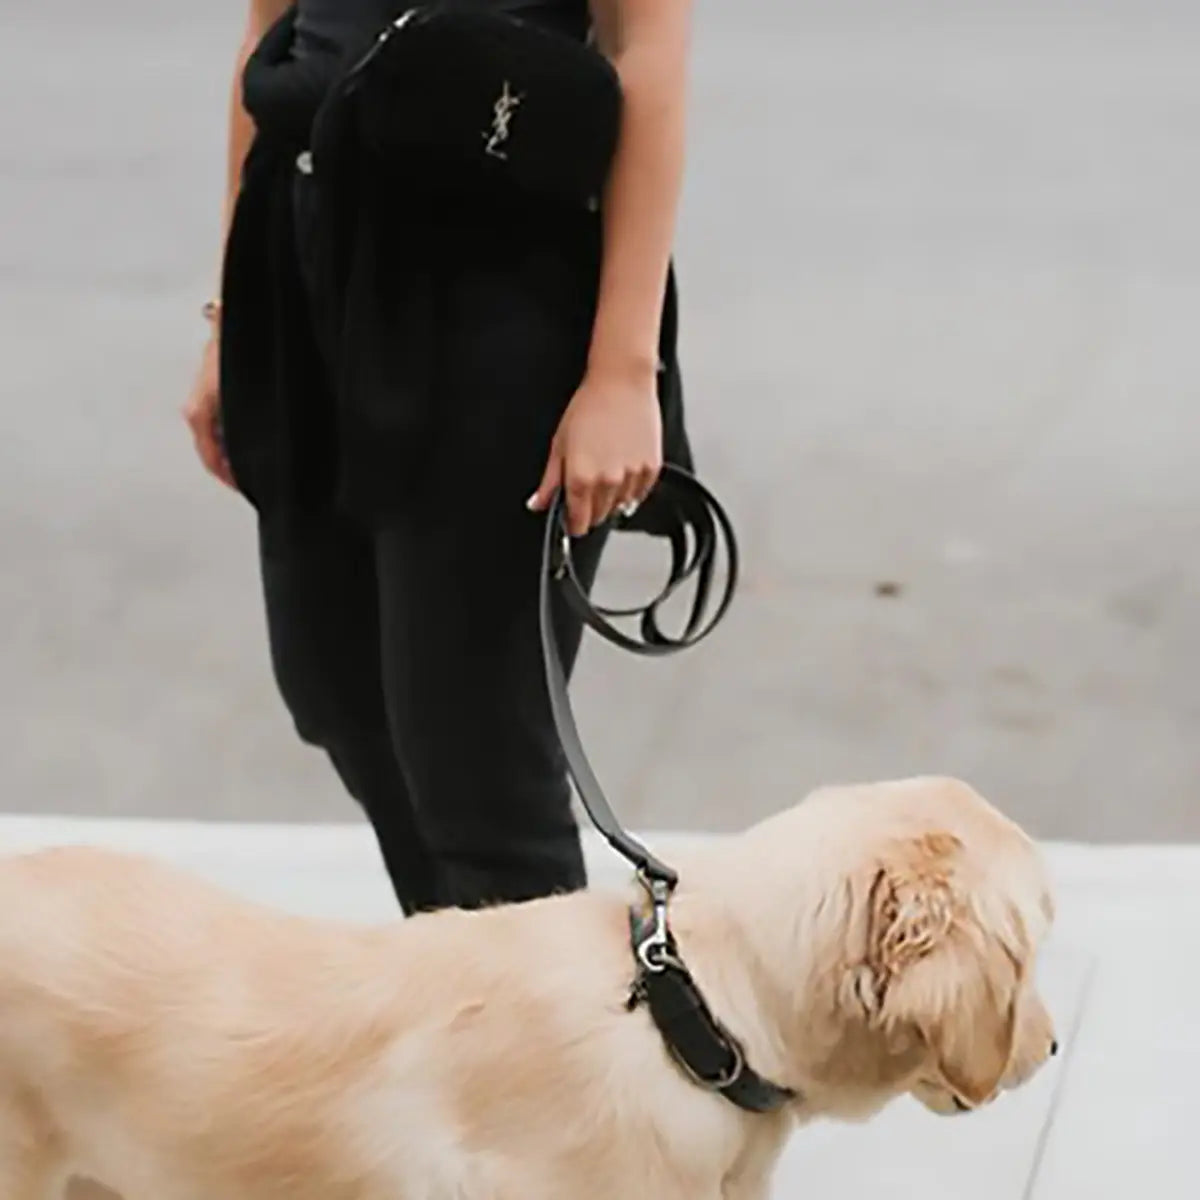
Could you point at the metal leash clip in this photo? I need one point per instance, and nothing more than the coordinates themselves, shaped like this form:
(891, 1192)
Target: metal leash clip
(654, 950)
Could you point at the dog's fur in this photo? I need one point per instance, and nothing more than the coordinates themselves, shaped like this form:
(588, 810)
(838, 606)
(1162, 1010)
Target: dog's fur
(177, 1043)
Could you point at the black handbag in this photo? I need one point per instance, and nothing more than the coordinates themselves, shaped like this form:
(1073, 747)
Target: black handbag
(473, 98)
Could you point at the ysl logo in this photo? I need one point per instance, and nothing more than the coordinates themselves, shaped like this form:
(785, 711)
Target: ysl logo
(502, 115)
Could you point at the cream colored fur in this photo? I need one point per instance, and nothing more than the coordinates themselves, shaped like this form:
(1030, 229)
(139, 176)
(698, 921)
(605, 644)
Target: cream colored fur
(178, 1043)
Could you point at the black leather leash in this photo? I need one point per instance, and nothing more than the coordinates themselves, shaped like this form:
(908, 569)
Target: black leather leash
(697, 526)
(695, 521)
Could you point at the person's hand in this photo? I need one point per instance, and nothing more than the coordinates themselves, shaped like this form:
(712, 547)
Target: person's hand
(203, 413)
(607, 451)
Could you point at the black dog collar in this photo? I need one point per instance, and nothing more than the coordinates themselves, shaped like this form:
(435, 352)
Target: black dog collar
(706, 1051)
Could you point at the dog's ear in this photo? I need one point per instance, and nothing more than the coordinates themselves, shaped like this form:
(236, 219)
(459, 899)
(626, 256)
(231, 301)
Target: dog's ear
(938, 971)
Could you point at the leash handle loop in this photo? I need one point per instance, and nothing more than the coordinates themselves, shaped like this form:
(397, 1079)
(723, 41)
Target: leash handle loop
(698, 526)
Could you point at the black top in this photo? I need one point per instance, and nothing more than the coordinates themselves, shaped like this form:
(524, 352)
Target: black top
(326, 26)
(366, 368)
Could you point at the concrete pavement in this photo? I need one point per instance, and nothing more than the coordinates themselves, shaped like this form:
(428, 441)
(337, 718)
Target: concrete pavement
(941, 273)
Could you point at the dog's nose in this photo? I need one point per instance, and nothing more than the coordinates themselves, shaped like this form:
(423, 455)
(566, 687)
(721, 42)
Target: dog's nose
(1053, 1049)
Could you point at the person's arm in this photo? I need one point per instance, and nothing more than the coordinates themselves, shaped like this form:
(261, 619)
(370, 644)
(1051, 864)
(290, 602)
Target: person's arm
(202, 409)
(647, 42)
(607, 451)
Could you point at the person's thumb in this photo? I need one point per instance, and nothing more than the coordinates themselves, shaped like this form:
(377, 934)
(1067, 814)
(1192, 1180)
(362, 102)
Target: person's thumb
(551, 479)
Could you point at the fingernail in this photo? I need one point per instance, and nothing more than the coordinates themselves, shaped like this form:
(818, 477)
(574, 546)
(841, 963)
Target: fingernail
(531, 501)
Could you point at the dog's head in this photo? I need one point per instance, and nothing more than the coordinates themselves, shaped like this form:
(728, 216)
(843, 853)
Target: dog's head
(942, 916)
(950, 956)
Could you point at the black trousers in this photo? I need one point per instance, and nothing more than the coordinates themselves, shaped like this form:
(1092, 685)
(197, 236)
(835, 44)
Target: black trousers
(405, 641)
(410, 655)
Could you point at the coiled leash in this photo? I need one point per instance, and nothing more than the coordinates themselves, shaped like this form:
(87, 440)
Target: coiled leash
(697, 525)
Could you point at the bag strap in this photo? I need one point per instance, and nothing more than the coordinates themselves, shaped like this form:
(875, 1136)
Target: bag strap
(696, 525)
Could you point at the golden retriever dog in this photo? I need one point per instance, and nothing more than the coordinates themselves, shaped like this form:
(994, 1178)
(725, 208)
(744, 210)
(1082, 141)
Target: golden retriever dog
(175, 1042)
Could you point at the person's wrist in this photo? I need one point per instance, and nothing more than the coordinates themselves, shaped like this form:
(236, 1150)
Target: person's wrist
(634, 370)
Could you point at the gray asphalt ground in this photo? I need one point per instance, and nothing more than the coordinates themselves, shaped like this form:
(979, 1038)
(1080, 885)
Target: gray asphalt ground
(941, 271)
